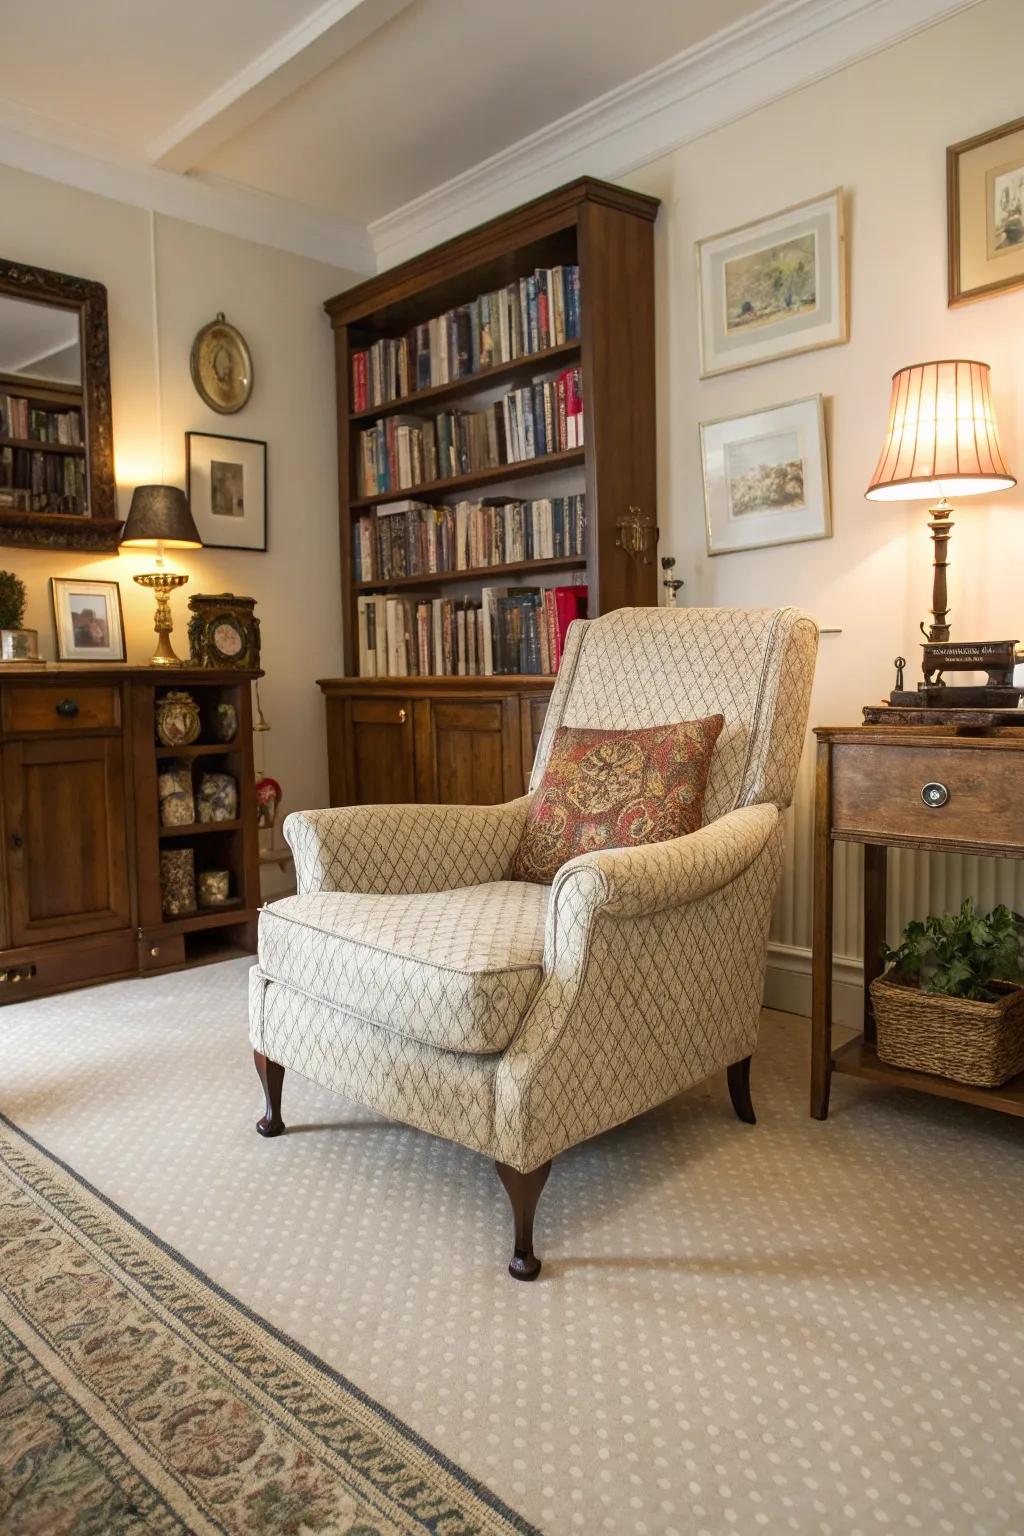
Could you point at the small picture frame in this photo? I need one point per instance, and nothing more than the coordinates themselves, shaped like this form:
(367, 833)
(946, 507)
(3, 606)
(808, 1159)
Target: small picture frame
(226, 479)
(87, 619)
(766, 477)
(773, 288)
(985, 213)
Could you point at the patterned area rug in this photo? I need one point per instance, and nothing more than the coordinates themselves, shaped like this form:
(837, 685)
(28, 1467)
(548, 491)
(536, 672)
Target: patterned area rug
(135, 1396)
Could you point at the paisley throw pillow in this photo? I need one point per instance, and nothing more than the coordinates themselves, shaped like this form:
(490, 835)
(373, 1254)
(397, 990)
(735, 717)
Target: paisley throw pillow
(616, 789)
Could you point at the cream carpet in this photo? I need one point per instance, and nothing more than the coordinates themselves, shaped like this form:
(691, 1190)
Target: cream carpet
(794, 1327)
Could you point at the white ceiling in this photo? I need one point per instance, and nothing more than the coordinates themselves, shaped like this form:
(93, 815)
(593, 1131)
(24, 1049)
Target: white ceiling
(335, 127)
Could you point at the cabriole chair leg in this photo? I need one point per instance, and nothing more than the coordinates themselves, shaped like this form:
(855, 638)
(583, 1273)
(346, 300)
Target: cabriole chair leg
(271, 1075)
(523, 1190)
(739, 1090)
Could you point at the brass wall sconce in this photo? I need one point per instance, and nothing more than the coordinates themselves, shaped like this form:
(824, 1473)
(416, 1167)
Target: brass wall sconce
(637, 535)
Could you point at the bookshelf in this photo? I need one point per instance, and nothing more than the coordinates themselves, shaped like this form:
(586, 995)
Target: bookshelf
(396, 737)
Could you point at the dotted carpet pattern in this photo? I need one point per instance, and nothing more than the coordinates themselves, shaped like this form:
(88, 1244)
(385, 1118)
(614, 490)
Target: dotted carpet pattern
(793, 1327)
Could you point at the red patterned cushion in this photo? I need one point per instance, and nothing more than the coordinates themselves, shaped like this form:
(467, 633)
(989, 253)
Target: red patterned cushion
(616, 789)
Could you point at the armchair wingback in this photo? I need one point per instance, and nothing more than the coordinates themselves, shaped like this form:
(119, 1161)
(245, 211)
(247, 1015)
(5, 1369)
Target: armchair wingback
(414, 976)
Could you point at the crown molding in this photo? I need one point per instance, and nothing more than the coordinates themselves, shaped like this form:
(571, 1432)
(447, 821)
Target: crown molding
(706, 86)
(319, 40)
(208, 200)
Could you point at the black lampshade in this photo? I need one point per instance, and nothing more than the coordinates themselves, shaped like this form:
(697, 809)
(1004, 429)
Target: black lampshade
(160, 514)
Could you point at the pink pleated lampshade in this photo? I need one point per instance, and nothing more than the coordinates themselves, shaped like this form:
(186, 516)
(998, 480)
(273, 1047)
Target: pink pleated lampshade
(941, 436)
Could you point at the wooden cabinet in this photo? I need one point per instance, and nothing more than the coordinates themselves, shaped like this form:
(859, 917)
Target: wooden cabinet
(81, 839)
(454, 741)
(66, 816)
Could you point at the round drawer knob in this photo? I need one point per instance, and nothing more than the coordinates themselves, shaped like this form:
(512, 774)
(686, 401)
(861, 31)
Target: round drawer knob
(934, 795)
(67, 709)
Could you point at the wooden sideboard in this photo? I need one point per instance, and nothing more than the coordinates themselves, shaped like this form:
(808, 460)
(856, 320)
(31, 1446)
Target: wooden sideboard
(904, 787)
(449, 740)
(81, 836)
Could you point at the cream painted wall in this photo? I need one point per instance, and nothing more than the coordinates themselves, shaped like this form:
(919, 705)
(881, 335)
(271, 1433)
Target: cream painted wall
(880, 129)
(275, 298)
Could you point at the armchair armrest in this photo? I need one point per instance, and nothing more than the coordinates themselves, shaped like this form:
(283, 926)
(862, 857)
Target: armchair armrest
(637, 882)
(391, 850)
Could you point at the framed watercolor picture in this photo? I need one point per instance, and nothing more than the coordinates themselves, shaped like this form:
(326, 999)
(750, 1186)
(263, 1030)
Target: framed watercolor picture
(985, 213)
(766, 477)
(227, 489)
(87, 619)
(770, 289)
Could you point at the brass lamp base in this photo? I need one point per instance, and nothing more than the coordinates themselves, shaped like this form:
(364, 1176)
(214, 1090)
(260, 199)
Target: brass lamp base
(162, 584)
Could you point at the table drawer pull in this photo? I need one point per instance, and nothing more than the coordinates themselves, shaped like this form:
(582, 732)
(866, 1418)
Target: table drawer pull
(67, 709)
(934, 795)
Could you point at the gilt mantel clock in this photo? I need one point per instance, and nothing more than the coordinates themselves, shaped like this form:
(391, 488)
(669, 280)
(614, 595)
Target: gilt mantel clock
(224, 631)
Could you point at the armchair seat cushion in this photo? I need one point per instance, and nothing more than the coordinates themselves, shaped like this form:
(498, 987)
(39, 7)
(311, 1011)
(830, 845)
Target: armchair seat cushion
(452, 969)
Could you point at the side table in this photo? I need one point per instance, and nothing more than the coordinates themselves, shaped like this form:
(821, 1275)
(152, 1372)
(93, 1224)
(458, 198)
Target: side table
(904, 787)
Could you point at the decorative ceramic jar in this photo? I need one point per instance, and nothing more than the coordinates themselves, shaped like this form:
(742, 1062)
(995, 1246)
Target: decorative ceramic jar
(225, 722)
(177, 719)
(214, 886)
(177, 882)
(177, 803)
(218, 797)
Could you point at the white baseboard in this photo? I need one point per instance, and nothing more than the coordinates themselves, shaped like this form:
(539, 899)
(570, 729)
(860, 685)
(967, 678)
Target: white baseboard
(788, 984)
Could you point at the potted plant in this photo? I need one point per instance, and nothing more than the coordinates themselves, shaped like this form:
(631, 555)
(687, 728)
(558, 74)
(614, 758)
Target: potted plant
(952, 1002)
(16, 643)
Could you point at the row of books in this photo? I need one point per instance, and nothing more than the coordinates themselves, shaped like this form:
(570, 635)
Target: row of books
(511, 630)
(19, 418)
(47, 482)
(526, 316)
(542, 418)
(411, 538)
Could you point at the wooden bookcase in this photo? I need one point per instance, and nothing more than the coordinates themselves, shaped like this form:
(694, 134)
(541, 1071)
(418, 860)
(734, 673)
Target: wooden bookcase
(608, 232)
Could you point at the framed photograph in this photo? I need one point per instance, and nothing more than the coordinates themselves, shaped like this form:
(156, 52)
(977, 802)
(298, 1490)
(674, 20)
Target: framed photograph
(766, 477)
(87, 619)
(985, 213)
(227, 489)
(770, 289)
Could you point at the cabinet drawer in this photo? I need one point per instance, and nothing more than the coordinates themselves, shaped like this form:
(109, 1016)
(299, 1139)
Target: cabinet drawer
(51, 967)
(381, 711)
(927, 793)
(62, 707)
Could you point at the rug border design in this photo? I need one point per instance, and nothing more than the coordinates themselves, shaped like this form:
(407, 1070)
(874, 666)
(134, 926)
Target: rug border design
(465, 1480)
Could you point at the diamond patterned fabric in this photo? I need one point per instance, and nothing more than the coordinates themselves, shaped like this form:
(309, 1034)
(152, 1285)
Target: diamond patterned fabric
(455, 968)
(653, 957)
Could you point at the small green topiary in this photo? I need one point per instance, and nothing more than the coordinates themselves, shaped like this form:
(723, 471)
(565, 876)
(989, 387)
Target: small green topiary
(960, 953)
(12, 601)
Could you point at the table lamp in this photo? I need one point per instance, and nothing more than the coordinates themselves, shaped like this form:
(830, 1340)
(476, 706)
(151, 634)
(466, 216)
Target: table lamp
(160, 518)
(942, 438)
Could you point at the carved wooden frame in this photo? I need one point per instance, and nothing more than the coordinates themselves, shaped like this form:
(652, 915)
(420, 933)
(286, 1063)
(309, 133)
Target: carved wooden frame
(101, 529)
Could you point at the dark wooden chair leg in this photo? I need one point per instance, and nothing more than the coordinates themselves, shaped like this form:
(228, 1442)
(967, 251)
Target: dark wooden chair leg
(524, 1190)
(271, 1075)
(739, 1090)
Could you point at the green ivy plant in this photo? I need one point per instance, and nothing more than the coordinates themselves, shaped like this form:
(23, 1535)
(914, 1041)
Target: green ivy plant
(12, 600)
(960, 953)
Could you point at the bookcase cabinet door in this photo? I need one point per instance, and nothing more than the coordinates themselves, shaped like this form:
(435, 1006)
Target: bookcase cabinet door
(376, 759)
(467, 751)
(66, 826)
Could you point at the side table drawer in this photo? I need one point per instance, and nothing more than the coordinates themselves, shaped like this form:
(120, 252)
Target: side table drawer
(927, 793)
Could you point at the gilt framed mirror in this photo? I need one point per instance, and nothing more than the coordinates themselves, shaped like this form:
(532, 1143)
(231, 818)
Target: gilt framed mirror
(57, 486)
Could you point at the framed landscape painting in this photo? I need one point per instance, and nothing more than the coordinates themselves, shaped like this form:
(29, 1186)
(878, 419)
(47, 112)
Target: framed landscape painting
(766, 477)
(226, 479)
(985, 212)
(770, 289)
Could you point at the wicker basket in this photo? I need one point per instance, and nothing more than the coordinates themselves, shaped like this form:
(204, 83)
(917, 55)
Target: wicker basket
(981, 1044)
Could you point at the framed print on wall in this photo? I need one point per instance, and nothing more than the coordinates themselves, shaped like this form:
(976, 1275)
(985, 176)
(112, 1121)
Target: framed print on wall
(773, 288)
(87, 619)
(766, 477)
(985, 213)
(227, 489)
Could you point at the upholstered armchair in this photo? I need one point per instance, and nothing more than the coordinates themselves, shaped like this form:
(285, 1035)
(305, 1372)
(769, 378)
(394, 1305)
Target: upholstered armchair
(412, 975)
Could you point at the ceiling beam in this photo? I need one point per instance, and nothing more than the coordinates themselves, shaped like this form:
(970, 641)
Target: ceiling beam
(331, 31)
